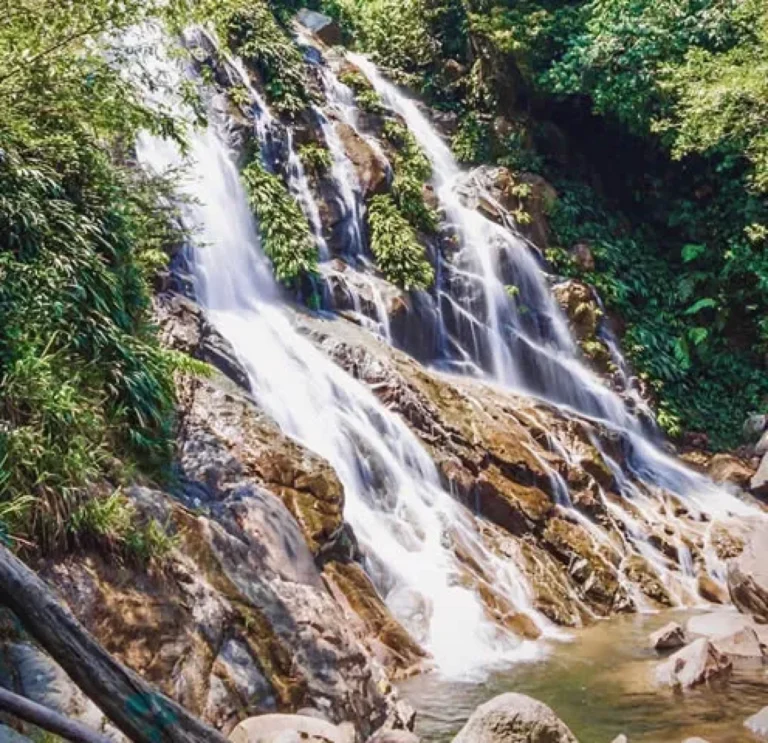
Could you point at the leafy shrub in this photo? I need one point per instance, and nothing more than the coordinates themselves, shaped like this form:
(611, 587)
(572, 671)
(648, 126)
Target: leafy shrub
(412, 171)
(316, 159)
(398, 252)
(285, 233)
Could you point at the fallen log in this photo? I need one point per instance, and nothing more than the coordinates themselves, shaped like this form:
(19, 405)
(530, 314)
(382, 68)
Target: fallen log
(142, 713)
(47, 719)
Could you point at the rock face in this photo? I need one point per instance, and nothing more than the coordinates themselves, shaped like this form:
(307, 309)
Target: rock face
(371, 169)
(748, 576)
(230, 626)
(514, 718)
(669, 637)
(695, 664)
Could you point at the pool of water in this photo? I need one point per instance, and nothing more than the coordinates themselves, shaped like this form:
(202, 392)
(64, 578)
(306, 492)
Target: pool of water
(601, 684)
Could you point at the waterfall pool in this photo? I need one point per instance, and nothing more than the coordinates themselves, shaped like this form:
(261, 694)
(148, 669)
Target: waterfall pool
(601, 685)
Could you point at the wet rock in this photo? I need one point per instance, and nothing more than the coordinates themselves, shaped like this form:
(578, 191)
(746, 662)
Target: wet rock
(371, 169)
(748, 576)
(288, 729)
(758, 485)
(324, 27)
(710, 590)
(727, 468)
(758, 723)
(695, 664)
(669, 637)
(394, 736)
(514, 718)
(718, 624)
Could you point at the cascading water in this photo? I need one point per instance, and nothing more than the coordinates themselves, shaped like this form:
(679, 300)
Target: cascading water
(394, 501)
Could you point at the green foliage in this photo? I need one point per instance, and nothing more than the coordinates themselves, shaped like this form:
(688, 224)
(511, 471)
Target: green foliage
(82, 377)
(412, 171)
(285, 233)
(316, 159)
(253, 32)
(395, 246)
(471, 143)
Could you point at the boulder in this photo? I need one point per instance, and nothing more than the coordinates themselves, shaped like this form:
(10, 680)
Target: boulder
(758, 723)
(620, 739)
(695, 664)
(289, 729)
(670, 637)
(754, 426)
(758, 485)
(514, 718)
(748, 576)
(761, 447)
(719, 624)
(394, 736)
(321, 25)
(742, 644)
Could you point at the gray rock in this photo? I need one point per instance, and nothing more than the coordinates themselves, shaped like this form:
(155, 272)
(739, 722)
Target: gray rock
(394, 736)
(670, 637)
(754, 426)
(748, 576)
(322, 26)
(695, 664)
(514, 718)
(289, 729)
(758, 723)
(758, 485)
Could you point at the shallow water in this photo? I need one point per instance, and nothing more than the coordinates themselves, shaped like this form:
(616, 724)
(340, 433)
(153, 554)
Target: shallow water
(601, 684)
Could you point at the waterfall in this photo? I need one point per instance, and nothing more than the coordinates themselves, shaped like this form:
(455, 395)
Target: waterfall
(394, 500)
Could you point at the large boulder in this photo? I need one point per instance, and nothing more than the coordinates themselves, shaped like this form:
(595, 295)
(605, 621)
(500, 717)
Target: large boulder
(742, 644)
(514, 718)
(289, 729)
(748, 576)
(727, 468)
(695, 664)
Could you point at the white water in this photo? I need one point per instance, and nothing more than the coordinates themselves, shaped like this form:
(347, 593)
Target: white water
(394, 501)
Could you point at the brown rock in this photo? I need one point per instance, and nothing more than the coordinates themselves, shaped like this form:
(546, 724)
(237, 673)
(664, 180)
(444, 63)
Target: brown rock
(730, 469)
(748, 576)
(371, 169)
(710, 590)
(695, 664)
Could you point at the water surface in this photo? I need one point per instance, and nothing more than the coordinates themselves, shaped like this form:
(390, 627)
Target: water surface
(601, 684)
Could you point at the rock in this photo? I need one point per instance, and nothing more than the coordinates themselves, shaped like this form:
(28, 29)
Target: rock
(717, 625)
(322, 26)
(371, 169)
(710, 590)
(748, 576)
(514, 718)
(669, 637)
(394, 736)
(620, 739)
(727, 468)
(758, 723)
(582, 256)
(288, 729)
(695, 740)
(11, 736)
(742, 644)
(761, 447)
(695, 664)
(758, 485)
(754, 427)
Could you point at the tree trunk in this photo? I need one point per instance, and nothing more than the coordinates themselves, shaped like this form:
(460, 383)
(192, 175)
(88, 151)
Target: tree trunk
(143, 714)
